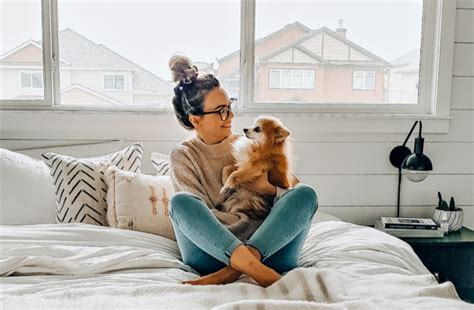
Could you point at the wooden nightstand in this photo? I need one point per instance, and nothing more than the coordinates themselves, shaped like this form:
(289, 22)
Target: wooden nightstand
(450, 258)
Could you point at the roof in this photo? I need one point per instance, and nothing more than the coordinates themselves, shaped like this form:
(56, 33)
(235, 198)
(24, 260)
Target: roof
(268, 37)
(76, 51)
(340, 38)
(312, 33)
(410, 62)
(82, 52)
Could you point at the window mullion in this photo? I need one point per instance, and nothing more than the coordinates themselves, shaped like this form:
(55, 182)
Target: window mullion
(47, 61)
(247, 53)
(56, 87)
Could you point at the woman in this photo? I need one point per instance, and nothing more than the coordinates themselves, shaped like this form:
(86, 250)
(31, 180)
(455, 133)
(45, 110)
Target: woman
(222, 246)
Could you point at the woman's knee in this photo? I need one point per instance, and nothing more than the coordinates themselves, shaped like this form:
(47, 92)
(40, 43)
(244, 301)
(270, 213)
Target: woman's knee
(308, 193)
(179, 202)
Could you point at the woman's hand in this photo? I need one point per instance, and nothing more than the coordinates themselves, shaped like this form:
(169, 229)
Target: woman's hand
(262, 185)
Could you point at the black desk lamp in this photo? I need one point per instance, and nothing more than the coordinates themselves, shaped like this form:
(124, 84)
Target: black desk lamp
(415, 166)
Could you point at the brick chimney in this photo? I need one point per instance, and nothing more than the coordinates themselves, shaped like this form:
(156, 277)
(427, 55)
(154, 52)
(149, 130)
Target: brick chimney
(341, 31)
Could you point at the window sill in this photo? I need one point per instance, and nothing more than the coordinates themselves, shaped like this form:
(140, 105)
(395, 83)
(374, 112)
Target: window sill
(155, 124)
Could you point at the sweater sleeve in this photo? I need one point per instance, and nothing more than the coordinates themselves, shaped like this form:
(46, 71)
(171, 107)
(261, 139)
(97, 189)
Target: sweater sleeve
(182, 175)
(279, 192)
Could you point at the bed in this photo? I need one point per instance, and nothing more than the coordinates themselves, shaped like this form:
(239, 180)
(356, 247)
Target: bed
(83, 266)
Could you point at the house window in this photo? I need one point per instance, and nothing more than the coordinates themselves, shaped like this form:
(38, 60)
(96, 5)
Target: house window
(31, 80)
(363, 80)
(291, 79)
(114, 82)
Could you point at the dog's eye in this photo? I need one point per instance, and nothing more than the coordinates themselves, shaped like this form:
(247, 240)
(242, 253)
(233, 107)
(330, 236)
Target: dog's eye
(257, 129)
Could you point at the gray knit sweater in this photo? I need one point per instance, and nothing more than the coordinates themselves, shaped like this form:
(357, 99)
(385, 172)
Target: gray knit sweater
(196, 167)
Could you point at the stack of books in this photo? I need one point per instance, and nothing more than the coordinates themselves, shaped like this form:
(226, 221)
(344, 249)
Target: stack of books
(406, 227)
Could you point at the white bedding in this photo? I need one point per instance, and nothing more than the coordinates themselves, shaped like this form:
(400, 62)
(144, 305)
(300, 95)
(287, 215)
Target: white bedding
(81, 266)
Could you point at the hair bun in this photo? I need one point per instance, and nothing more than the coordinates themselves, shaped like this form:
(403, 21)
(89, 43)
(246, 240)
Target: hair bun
(182, 68)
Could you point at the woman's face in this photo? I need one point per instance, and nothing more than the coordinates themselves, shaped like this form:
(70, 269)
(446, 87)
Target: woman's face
(210, 127)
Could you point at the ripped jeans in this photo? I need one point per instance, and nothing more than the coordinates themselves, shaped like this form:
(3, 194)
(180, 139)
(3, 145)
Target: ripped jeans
(206, 244)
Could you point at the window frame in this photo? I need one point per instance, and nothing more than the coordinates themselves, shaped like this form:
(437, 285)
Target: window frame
(114, 74)
(292, 87)
(30, 72)
(364, 74)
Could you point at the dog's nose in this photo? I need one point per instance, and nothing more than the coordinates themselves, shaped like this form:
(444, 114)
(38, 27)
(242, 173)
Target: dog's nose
(245, 130)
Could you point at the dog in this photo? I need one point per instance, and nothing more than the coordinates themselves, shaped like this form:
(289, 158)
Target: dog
(264, 149)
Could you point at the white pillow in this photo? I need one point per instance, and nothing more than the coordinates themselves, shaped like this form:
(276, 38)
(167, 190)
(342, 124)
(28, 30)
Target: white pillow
(79, 184)
(139, 202)
(161, 163)
(26, 191)
(323, 217)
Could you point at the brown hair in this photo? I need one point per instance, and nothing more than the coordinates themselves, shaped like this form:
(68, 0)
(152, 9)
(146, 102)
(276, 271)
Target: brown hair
(190, 90)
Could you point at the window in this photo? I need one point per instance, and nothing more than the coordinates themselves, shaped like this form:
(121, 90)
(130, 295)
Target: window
(363, 80)
(349, 55)
(21, 54)
(269, 45)
(114, 82)
(291, 79)
(31, 80)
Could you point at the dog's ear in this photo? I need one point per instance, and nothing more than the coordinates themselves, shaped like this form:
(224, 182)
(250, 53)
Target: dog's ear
(281, 134)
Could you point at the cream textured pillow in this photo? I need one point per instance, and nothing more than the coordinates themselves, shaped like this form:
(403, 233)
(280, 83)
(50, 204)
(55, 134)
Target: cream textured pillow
(79, 185)
(139, 202)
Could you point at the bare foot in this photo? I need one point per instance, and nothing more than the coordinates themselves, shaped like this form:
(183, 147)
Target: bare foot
(244, 261)
(223, 276)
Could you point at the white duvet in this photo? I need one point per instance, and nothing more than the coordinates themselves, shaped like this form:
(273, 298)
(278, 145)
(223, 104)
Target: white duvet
(81, 266)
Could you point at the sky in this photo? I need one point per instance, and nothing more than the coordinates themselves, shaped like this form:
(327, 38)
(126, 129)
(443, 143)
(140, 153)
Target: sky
(150, 32)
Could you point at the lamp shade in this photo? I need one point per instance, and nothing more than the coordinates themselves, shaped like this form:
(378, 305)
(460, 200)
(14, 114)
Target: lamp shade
(416, 167)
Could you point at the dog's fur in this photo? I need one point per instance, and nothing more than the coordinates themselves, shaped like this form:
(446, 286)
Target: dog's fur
(263, 149)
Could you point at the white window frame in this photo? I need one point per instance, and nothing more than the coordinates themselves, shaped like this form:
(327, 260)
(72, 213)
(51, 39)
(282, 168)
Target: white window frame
(364, 75)
(292, 86)
(31, 79)
(114, 76)
(435, 76)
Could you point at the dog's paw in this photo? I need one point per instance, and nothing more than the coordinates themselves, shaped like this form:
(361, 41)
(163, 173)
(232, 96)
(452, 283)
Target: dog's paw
(226, 191)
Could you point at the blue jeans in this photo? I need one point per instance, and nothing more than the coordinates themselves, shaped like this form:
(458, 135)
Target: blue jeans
(206, 244)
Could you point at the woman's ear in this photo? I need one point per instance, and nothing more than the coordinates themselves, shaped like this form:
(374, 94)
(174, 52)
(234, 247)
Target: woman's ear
(195, 120)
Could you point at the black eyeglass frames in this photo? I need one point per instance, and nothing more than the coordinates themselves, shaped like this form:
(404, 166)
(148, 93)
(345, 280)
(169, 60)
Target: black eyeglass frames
(224, 112)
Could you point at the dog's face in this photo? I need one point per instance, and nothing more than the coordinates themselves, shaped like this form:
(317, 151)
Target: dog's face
(267, 129)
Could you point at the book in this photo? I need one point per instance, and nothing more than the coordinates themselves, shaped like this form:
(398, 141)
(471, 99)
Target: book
(410, 233)
(408, 223)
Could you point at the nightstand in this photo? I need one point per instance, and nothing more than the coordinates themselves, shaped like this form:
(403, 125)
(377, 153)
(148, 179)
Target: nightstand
(450, 258)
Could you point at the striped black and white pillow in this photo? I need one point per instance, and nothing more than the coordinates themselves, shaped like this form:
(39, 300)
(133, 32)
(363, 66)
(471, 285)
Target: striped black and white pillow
(79, 183)
(161, 163)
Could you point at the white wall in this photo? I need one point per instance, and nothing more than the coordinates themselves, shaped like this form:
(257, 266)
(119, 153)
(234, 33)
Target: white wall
(350, 171)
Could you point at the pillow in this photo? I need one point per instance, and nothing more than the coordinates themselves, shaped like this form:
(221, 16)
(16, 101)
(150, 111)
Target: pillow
(139, 202)
(79, 186)
(323, 217)
(26, 196)
(161, 163)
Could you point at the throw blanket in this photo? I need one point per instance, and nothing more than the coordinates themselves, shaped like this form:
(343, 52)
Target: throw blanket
(81, 266)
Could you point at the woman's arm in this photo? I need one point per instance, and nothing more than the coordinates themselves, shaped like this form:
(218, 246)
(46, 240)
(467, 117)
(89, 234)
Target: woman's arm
(183, 177)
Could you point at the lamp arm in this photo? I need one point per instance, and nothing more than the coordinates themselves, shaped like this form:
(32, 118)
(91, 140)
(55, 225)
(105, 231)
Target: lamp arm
(411, 130)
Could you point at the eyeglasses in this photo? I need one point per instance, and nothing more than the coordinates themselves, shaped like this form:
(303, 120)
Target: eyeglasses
(224, 112)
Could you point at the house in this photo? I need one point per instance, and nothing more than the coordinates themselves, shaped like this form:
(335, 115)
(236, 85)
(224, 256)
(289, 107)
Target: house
(298, 65)
(91, 73)
(404, 76)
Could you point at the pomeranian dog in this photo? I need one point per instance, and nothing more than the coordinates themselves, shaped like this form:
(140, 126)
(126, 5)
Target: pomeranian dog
(263, 150)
